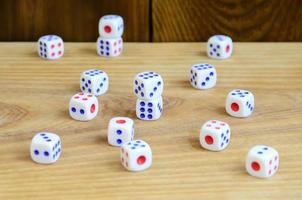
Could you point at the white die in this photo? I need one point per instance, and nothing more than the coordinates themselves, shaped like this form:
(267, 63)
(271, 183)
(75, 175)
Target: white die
(94, 81)
(215, 135)
(50, 47)
(136, 155)
(45, 148)
(149, 109)
(109, 47)
(240, 103)
(219, 47)
(120, 131)
(262, 161)
(111, 26)
(203, 76)
(148, 85)
(83, 106)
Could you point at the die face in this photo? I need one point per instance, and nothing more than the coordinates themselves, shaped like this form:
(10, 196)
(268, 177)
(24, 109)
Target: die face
(215, 135)
(109, 47)
(83, 106)
(120, 131)
(203, 76)
(111, 26)
(220, 47)
(50, 47)
(148, 85)
(240, 103)
(94, 81)
(149, 109)
(45, 148)
(136, 155)
(262, 161)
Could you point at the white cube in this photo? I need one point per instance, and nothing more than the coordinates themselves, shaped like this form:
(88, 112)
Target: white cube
(203, 76)
(111, 26)
(215, 135)
(109, 47)
(45, 148)
(136, 155)
(262, 161)
(94, 81)
(148, 85)
(120, 131)
(50, 47)
(240, 103)
(149, 109)
(83, 106)
(219, 47)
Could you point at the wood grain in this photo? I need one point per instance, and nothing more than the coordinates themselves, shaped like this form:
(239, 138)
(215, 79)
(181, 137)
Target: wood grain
(35, 95)
(197, 20)
(74, 20)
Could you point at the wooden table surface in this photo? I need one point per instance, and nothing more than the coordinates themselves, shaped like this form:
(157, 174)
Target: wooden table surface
(35, 95)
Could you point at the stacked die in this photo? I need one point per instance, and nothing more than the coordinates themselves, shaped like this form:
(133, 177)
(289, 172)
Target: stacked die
(148, 87)
(110, 42)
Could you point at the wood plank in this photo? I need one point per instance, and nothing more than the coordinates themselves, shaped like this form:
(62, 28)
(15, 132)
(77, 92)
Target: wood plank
(74, 20)
(197, 20)
(35, 95)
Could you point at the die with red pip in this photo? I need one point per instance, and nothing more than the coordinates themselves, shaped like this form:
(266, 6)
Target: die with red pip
(83, 106)
(262, 161)
(109, 47)
(136, 155)
(120, 131)
(219, 47)
(240, 103)
(111, 26)
(215, 135)
(50, 47)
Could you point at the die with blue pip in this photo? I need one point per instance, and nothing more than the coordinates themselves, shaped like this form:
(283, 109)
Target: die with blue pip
(136, 155)
(240, 103)
(83, 106)
(220, 47)
(94, 81)
(50, 47)
(120, 131)
(148, 87)
(45, 148)
(203, 76)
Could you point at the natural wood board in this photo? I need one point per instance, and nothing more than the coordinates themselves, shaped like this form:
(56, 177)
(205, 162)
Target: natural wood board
(249, 20)
(35, 95)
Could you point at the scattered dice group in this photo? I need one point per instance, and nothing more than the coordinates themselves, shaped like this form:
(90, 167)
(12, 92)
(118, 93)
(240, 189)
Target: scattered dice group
(261, 161)
(136, 155)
